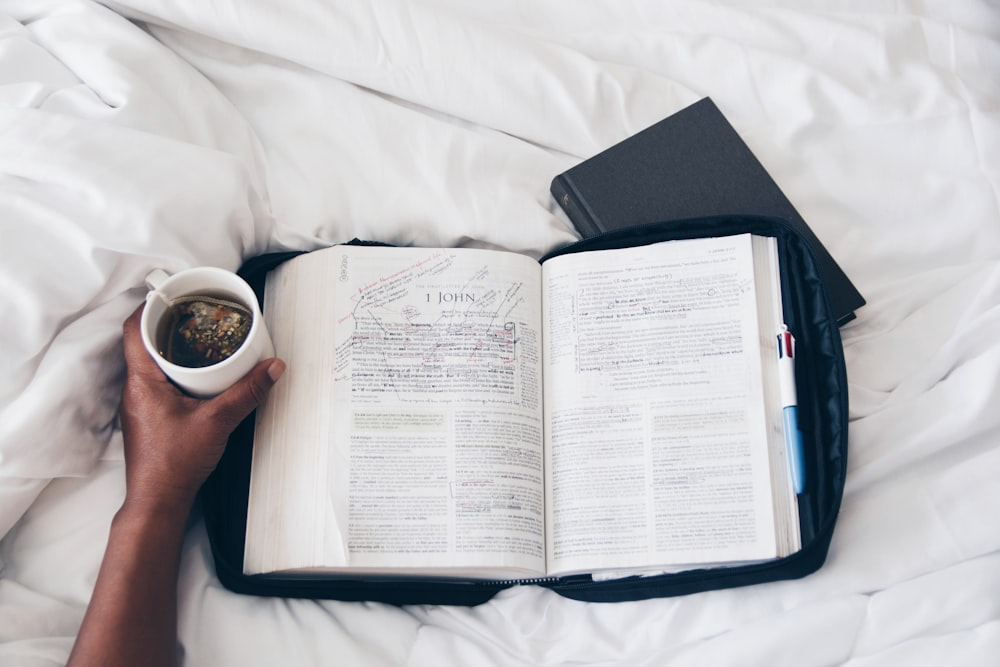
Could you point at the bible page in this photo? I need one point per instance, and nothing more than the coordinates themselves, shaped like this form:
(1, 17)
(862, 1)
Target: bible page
(657, 441)
(424, 392)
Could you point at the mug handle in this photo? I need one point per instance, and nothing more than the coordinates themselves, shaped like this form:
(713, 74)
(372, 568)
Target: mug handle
(156, 278)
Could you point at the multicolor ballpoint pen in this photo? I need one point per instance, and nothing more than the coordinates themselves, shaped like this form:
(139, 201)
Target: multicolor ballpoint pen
(790, 409)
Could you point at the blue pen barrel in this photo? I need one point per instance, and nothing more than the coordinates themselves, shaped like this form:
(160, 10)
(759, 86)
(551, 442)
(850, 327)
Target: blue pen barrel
(793, 442)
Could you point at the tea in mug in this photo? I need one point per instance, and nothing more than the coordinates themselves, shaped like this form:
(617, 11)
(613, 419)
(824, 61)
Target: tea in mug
(202, 330)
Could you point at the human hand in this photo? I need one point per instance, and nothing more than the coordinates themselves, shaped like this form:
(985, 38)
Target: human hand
(174, 441)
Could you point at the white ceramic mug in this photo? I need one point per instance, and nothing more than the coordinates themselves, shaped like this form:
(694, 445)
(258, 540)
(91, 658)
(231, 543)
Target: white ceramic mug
(206, 381)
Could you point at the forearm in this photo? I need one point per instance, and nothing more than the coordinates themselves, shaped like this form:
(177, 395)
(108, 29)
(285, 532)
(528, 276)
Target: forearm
(172, 442)
(132, 616)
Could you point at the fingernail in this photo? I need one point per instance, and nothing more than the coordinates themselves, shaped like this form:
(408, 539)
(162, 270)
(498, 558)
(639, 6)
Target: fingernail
(275, 370)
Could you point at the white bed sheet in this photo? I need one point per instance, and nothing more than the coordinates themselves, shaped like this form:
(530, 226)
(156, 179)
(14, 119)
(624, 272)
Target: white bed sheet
(149, 133)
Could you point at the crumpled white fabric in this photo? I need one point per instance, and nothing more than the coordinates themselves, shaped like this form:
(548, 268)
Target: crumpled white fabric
(144, 133)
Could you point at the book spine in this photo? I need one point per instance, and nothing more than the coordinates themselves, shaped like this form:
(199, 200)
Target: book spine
(574, 207)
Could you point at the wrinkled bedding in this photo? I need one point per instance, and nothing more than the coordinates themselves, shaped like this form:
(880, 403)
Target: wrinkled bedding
(147, 133)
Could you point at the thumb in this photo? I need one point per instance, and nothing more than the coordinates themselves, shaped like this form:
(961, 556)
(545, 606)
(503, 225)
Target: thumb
(233, 405)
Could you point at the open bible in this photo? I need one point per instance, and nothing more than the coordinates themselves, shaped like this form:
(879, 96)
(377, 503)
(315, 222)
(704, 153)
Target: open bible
(473, 413)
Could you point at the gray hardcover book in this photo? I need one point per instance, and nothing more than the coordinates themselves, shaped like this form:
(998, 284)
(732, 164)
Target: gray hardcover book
(692, 164)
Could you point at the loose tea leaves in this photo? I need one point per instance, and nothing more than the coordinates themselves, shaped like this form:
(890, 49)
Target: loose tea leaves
(201, 331)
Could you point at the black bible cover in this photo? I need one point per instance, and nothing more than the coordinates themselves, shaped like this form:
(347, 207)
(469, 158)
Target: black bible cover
(689, 165)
